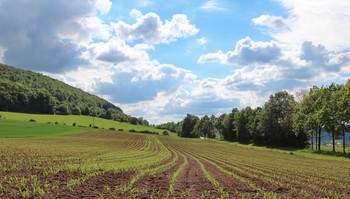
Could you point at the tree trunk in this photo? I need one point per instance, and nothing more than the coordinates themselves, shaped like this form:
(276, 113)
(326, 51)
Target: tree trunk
(312, 140)
(316, 138)
(333, 140)
(319, 138)
(344, 140)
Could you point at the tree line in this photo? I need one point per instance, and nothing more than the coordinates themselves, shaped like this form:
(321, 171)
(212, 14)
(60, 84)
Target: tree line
(283, 121)
(29, 92)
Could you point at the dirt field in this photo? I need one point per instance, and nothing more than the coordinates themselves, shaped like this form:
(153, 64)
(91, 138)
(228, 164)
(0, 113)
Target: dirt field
(124, 165)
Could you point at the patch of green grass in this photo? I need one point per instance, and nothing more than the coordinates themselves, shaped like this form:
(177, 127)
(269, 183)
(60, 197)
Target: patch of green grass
(15, 129)
(326, 151)
(79, 120)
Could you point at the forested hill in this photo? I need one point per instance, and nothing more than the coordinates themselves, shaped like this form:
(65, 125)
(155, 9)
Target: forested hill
(29, 92)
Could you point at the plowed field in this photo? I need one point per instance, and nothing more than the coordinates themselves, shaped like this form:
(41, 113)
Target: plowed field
(125, 165)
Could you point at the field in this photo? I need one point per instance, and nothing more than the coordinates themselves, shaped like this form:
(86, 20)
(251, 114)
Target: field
(111, 164)
(84, 121)
(15, 128)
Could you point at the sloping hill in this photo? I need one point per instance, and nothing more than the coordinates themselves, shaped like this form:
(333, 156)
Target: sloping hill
(29, 92)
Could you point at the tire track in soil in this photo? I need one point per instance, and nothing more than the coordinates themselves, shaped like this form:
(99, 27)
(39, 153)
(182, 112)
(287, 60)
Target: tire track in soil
(192, 182)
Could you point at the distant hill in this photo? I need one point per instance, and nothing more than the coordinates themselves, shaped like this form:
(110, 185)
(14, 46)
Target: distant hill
(29, 92)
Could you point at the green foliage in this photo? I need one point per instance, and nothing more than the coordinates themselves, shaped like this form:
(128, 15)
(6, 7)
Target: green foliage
(241, 122)
(29, 92)
(204, 128)
(187, 126)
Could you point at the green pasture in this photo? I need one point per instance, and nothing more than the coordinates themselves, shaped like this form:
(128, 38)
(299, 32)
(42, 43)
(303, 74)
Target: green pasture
(14, 128)
(84, 121)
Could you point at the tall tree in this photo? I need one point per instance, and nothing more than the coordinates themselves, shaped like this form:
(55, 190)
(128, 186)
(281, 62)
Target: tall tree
(344, 109)
(328, 113)
(204, 128)
(228, 128)
(306, 116)
(241, 122)
(277, 121)
(188, 125)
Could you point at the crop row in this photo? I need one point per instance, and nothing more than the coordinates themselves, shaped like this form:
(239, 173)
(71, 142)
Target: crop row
(121, 165)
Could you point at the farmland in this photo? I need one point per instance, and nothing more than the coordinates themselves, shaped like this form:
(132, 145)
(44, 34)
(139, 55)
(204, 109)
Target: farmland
(111, 164)
(83, 121)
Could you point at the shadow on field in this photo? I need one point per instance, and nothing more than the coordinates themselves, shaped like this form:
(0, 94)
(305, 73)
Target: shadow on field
(331, 153)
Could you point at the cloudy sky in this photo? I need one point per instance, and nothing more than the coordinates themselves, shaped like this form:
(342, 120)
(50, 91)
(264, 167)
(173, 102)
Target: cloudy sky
(162, 60)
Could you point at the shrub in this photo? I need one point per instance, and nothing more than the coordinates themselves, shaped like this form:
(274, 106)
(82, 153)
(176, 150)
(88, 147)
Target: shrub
(112, 129)
(95, 127)
(74, 124)
(165, 133)
(56, 123)
(32, 120)
(120, 129)
(132, 130)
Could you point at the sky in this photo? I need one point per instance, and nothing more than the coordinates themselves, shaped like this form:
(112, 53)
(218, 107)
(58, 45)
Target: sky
(160, 60)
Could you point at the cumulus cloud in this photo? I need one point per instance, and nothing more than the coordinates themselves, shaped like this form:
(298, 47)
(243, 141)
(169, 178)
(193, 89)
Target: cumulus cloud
(152, 30)
(246, 52)
(324, 22)
(269, 21)
(48, 36)
(268, 67)
(115, 51)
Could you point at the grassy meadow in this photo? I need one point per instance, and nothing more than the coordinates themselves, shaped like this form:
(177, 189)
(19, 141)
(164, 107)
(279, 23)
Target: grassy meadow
(14, 128)
(84, 121)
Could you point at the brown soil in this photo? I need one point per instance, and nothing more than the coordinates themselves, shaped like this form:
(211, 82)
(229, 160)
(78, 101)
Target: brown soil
(97, 186)
(192, 183)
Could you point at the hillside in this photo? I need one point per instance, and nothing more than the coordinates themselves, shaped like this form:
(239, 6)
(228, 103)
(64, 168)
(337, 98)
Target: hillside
(29, 92)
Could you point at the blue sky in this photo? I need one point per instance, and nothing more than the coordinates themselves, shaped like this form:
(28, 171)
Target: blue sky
(161, 61)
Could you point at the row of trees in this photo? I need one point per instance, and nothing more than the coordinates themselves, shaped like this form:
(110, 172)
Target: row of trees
(282, 121)
(325, 108)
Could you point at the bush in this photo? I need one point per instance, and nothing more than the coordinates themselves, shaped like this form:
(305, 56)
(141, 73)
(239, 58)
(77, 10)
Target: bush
(112, 129)
(165, 133)
(95, 127)
(120, 129)
(74, 124)
(56, 123)
(32, 120)
(132, 130)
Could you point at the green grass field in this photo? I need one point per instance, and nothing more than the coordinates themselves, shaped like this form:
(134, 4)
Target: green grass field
(15, 129)
(86, 121)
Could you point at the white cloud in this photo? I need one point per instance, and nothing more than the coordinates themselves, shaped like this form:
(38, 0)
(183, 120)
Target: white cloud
(152, 30)
(270, 21)
(325, 22)
(202, 41)
(247, 52)
(212, 5)
(103, 6)
(116, 51)
(49, 36)
(268, 67)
